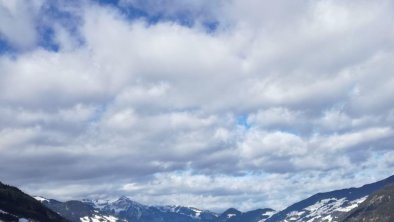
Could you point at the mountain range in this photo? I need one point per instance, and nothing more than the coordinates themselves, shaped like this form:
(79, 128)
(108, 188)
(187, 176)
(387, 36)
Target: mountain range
(371, 202)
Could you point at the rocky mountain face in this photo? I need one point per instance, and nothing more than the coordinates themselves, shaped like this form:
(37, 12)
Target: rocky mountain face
(378, 207)
(18, 206)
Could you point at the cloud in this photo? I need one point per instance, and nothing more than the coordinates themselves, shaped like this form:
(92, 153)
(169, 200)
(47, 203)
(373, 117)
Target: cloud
(275, 117)
(17, 22)
(277, 96)
(13, 137)
(278, 143)
(351, 139)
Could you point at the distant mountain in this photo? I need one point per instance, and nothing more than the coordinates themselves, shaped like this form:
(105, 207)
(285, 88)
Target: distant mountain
(77, 210)
(329, 206)
(125, 209)
(378, 207)
(18, 206)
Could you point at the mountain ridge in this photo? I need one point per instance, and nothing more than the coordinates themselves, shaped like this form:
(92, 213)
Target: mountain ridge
(332, 206)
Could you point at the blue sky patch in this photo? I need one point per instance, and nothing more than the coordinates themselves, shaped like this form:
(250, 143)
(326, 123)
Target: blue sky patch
(5, 47)
(242, 120)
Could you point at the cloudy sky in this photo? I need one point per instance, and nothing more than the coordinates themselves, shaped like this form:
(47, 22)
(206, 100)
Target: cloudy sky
(212, 104)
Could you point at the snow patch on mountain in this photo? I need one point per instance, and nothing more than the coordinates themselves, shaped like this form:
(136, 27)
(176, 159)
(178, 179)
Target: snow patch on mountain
(41, 199)
(98, 218)
(3, 212)
(326, 210)
(231, 215)
(267, 215)
(352, 204)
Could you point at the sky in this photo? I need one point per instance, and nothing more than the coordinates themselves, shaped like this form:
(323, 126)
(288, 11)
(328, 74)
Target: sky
(211, 104)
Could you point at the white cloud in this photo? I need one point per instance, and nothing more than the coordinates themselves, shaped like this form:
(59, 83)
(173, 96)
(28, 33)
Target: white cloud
(278, 116)
(336, 119)
(122, 120)
(268, 144)
(351, 139)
